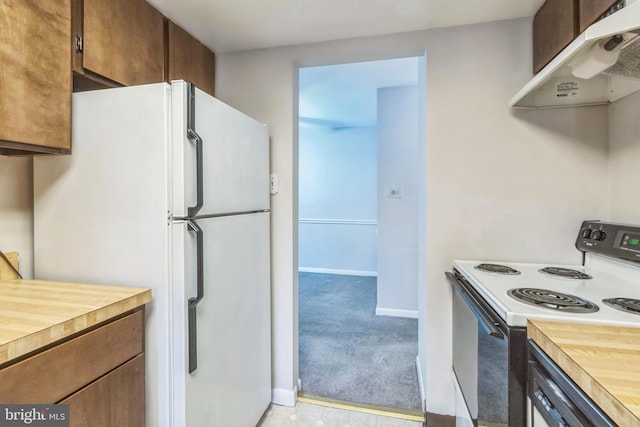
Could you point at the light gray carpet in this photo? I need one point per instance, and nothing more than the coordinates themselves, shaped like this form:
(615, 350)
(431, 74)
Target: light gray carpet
(349, 353)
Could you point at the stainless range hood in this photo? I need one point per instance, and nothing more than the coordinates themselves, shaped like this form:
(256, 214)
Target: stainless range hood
(600, 66)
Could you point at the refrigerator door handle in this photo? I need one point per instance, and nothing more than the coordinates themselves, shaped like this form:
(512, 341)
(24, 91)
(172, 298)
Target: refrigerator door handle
(193, 136)
(192, 225)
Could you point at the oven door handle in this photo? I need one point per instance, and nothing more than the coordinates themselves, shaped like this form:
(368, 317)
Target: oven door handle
(478, 310)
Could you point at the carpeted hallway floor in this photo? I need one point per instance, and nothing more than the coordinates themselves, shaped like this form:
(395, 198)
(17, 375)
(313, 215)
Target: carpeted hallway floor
(349, 353)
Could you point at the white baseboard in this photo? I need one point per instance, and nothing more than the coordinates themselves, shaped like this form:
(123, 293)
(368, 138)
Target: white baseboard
(395, 312)
(423, 399)
(284, 397)
(338, 271)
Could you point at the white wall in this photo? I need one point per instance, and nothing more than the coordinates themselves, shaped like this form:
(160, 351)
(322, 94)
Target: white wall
(500, 184)
(337, 200)
(398, 162)
(16, 207)
(624, 160)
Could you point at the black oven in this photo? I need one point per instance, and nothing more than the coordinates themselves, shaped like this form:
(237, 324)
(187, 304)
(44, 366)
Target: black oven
(489, 359)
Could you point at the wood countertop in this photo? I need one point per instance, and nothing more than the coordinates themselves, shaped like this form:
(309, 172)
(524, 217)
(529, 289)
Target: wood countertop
(602, 360)
(36, 313)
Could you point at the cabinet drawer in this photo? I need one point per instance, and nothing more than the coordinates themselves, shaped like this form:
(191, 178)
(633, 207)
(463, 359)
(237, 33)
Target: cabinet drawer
(54, 374)
(117, 399)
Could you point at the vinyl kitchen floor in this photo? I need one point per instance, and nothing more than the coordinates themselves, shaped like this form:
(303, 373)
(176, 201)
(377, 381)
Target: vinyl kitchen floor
(311, 415)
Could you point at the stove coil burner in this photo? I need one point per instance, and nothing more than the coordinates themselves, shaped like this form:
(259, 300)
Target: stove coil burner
(566, 273)
(496, 268)
(552, 300)
(630, 305)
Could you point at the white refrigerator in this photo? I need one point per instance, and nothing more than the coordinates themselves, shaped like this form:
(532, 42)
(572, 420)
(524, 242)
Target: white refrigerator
(168, 188)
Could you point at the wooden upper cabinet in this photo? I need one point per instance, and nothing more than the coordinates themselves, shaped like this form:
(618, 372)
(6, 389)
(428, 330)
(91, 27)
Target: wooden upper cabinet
(35, 76)
(554, 27)
(189, 60)
(122, 41)
(591, 10)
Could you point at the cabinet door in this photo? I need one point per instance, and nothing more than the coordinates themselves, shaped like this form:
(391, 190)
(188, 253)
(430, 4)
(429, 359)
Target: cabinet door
(63, 369)
(35, 76)
(591, 10)
(123, 41)
(554, 27)
(189, 59)
(117, 399)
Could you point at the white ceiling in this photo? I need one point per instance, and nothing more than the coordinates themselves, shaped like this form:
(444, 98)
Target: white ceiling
(341, 95)
(232, 25)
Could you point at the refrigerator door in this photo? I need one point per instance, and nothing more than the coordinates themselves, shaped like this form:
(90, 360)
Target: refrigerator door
(234, 156)
(232, 383)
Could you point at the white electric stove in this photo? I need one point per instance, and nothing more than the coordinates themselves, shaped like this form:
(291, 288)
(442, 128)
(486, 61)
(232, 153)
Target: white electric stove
(493, 300)
(577, 297)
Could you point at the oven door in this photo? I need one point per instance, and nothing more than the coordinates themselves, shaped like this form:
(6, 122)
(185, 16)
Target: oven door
(489, 359)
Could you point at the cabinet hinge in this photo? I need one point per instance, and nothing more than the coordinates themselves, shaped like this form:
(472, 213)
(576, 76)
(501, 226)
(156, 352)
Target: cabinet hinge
(78, 43)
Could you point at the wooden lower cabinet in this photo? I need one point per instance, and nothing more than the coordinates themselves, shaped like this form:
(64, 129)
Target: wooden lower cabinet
(117, 399)
(99, 373)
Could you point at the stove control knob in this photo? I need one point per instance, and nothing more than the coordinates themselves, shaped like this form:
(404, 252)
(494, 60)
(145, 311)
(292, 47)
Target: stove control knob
(585, 233)
(598, 235)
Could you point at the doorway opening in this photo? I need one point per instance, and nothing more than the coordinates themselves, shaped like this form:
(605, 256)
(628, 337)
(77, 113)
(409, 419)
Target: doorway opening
(360, 145)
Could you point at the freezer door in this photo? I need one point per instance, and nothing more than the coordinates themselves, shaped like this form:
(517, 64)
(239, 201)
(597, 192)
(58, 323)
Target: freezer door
(234, 156)
(232, 383)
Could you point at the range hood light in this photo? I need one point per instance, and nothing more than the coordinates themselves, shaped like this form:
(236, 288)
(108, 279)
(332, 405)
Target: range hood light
(601, 56)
